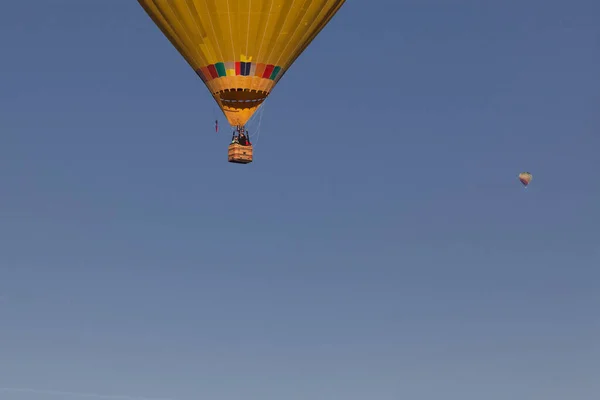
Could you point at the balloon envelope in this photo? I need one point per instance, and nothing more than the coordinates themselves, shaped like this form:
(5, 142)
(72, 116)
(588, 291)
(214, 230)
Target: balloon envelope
(240, 48)
(525, 178)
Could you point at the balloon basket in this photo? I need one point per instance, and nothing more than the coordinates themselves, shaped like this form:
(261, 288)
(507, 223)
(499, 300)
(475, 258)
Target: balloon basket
(239, 154)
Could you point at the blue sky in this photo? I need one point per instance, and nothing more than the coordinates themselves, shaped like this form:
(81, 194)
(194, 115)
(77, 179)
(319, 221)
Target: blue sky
(379, 247)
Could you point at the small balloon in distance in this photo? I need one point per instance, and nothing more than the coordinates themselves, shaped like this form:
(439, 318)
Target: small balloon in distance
(525, 178)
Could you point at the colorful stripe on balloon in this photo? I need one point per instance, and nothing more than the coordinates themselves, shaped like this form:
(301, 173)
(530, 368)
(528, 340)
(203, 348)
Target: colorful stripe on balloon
(238, 68)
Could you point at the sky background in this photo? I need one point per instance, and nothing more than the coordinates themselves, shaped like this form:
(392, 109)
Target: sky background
(379, 247)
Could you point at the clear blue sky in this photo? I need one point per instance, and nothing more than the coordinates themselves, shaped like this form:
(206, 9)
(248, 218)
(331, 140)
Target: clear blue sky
(379, 247)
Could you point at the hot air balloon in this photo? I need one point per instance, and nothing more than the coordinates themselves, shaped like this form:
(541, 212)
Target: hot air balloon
(240, 48)
(525, 178)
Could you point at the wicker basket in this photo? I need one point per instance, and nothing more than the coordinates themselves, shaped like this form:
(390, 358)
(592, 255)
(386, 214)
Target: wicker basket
(239, 154)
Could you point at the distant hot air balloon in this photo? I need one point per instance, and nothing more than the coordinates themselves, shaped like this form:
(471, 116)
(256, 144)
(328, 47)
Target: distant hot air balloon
(241, 48)
(525, 178)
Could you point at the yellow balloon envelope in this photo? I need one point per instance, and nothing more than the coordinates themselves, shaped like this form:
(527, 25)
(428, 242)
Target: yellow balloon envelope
(241, 48)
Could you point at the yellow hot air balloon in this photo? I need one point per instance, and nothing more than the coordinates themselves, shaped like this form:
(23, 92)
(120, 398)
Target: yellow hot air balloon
(525, 178)
(240, 48)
